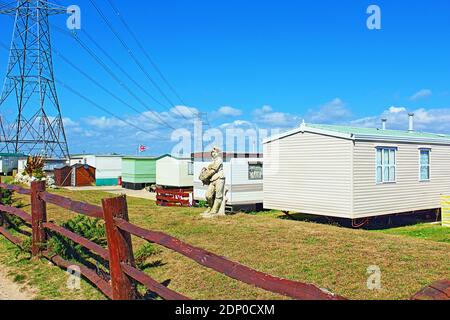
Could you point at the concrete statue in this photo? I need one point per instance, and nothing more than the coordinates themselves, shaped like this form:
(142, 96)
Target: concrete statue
(214, 177)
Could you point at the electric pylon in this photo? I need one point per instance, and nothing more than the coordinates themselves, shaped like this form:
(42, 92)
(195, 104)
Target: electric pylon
(29, 93)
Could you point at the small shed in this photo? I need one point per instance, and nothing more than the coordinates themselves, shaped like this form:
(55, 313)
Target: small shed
(244, 179)
(78, 175)
(10, 162)
(138, 172)
(174, 172)
(354, 173)
(108, 167)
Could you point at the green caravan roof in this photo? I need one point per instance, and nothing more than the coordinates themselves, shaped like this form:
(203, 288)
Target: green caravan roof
(360, 133)
(14, 155)
(380, 132)
(145, 158)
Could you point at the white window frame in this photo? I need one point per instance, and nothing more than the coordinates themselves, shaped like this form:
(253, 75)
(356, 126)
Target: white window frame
(383, 166)
(262, 171)
(190, 168)
(420, 164)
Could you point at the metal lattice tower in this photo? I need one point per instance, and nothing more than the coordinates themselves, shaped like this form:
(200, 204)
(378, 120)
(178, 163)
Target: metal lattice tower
(29, 92)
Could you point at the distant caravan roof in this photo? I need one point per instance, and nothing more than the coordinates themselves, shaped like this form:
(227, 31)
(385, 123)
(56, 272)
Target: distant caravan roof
(357, 133)
(13, 155)
(144, 157)
(227, 155)
(79, 156)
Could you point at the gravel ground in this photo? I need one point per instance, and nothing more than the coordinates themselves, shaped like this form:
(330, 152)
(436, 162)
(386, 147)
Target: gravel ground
(10, 290)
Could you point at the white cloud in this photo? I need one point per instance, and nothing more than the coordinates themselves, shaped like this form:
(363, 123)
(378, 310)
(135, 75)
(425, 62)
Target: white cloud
(103, 123)
(333, 111)
(242, 124)
(184, 111)
(268, 117)
(397, 110)
(229, 111)
(70, 123)
(110, 134)
(429, 120)
(421, 94)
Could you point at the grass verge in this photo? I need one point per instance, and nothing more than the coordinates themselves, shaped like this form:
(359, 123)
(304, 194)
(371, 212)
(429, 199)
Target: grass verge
(433, 232)
(331, 257)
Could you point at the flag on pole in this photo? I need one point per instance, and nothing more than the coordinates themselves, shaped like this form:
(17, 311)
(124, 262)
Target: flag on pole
(142, 148)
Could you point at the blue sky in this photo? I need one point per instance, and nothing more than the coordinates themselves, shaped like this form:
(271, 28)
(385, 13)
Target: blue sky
(261, 63)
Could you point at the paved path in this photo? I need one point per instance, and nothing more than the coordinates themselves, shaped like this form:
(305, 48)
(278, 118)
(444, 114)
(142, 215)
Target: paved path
(143, 194)
(10, 290)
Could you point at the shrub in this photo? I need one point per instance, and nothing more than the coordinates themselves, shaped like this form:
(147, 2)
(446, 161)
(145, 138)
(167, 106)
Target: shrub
(91, 229)
(145, 252)
(202, 204)
(6, 197)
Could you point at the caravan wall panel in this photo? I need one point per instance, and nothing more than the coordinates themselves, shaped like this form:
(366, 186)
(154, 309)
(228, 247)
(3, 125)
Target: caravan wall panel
(309, 173)
(241, 190)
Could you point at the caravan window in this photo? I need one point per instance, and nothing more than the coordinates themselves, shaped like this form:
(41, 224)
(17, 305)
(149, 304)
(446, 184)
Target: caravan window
(255, 171)
(386, 165)
(190, 168)
(424, 164)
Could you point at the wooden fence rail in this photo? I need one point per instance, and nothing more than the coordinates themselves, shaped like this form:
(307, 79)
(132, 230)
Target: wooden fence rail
(121, 283)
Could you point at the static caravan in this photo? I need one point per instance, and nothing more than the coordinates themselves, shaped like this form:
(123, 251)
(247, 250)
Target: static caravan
(10, 162)
(138, 172)
(355, 173)
(244, 179)
(173, 172)
(108, 167)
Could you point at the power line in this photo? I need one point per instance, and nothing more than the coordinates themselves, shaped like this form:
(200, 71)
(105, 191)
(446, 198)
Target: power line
(110, 72)
(105, 109)
(118, 66)
(133, 57)
(94, 103)
(152, 62)
(3, 4)
(115, 77)
(102, 87)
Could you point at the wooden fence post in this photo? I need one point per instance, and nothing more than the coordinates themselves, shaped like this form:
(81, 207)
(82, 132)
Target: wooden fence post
(38, 217)
(2, 219)
(120, 249)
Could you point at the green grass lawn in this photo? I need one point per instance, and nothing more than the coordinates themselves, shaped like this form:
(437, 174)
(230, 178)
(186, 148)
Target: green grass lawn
(433, 232)
(331, 257)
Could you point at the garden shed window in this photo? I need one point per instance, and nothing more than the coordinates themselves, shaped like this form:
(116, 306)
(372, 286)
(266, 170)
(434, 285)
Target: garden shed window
(386, 165)
(425, 164)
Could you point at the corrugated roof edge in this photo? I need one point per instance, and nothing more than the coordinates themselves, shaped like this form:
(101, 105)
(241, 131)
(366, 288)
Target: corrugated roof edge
(328, 131)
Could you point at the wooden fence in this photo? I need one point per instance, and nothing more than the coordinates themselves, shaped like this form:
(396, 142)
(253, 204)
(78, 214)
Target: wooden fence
(123, 276)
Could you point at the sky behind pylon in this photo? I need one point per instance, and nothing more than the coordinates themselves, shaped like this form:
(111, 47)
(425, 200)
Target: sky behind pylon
(252, 63)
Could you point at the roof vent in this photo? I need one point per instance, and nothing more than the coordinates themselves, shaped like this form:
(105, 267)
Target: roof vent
(383, 124)
(411, 122)
(303, 126)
